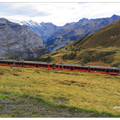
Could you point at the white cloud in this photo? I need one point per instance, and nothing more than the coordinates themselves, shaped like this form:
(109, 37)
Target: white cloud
(57, 13)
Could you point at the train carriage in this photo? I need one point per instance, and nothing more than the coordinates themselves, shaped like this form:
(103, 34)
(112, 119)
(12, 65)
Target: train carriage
(35, 64)
(60, 66)
(104, 70)
(72, 67)
(7, 62)
(86, 68)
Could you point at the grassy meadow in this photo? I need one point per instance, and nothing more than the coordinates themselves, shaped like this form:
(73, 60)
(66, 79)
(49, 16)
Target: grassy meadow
(97, 56)
(88, 91)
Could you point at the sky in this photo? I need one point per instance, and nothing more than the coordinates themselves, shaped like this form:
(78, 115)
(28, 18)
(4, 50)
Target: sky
(59, 13)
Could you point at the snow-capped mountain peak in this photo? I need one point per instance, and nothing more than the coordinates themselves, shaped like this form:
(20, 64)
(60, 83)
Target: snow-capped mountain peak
(42, 29)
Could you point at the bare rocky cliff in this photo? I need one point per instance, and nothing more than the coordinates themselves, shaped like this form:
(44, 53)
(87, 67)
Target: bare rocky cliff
(18, 40)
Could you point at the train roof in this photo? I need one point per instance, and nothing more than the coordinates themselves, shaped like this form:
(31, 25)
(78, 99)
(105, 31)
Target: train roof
(37, 62)
(77, 65)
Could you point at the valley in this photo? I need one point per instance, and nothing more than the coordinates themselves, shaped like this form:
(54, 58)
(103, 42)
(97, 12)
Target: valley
(100, 49)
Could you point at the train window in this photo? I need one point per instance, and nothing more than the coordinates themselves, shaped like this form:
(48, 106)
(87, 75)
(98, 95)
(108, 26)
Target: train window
(39, 64)
(64, 66)
(50, 65)
(78, 67)
(99, 69)
(111, 70)
(95, 69)
(103, 69)
(11, 62)
(92, 69)
(115, 70)
(75, 67)
(57, 66)
(60, 66)
(86, 68)
(46, 65)
(107, 70)
(43, 65)
(33, 64)
(68, 67)
(82, 68)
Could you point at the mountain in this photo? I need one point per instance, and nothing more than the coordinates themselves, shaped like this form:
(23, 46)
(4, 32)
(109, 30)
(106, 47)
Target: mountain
(73, 31)
(45, 30)
(18, 40)
(101, 48)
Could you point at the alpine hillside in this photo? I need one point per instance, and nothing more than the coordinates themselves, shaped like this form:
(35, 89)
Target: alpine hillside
(76, 30)
(19, 41)
(101, 48)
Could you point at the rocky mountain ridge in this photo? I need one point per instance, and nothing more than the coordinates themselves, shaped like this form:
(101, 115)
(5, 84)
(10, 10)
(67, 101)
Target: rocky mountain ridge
(55, 37)
(77, 30)
(45, 30)
(18, 40)
(101, 48)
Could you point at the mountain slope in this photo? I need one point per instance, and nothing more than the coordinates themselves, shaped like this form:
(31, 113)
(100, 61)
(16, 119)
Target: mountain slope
(77, 30)
(19, 40)
(45, 30)
(101, 48)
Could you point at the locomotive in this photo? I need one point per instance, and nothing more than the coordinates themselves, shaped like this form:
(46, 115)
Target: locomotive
(60, 66)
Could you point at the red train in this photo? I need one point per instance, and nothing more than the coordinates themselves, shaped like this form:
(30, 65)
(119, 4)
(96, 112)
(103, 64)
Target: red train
(58, 66)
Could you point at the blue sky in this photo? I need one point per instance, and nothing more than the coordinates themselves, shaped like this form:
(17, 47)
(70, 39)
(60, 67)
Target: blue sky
(57, 13)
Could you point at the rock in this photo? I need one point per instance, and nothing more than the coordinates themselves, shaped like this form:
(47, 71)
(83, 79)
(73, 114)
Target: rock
(18, 40)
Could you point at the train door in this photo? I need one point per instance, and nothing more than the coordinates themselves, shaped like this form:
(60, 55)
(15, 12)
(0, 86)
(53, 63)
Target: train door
(71, 68)
(36, 65)
(89, 69)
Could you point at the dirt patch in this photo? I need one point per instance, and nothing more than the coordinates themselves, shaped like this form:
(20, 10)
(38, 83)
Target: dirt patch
(73, 82)
(60, 100)
(26, 107)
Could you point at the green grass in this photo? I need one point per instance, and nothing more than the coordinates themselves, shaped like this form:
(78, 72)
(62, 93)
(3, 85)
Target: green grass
(14, 108)
(34, 115)
(22, 101)
(21, 110)
(1, 107)
(100, 92)
(3, 96)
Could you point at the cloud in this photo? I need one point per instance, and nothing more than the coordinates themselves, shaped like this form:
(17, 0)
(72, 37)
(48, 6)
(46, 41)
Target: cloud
(57, 13)
(11, 9)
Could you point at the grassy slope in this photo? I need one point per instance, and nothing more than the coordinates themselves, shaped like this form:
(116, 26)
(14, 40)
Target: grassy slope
(100, 48)
(82, 90)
